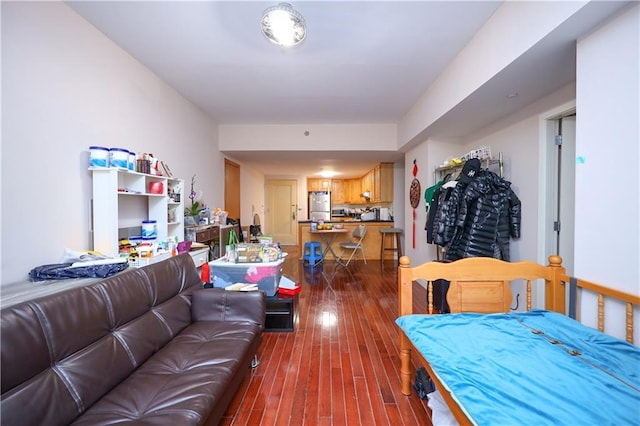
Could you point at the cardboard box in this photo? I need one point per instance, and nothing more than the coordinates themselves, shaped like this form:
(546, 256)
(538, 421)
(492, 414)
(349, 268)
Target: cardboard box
(267, 274)
(257, 253)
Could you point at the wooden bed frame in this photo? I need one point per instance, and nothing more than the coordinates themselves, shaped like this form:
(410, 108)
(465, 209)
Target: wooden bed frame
(482, 285)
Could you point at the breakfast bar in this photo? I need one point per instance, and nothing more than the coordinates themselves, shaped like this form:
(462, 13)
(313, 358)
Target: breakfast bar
(371, 242)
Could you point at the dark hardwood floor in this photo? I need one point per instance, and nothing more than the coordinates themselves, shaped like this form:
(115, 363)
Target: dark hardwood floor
(340, 365)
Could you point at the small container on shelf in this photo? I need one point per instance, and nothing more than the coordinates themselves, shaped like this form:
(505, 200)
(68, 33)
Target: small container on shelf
(119, 158)
(156, 187)
(98, 156)
(149, 230)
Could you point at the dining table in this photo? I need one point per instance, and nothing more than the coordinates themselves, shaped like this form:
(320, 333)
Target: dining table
(328, 236)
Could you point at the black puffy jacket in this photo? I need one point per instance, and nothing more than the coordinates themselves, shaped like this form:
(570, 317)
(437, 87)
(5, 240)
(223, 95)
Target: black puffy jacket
(485, 216)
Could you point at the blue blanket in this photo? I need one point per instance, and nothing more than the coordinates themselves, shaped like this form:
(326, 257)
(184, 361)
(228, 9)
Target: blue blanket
(531, 368)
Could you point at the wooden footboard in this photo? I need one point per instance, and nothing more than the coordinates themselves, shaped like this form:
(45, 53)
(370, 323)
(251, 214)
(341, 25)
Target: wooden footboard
(483, 285)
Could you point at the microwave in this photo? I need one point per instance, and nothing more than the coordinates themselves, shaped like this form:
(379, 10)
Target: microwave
(338, 213)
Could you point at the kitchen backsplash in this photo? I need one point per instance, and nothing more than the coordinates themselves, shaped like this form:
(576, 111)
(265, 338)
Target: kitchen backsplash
(355, 212)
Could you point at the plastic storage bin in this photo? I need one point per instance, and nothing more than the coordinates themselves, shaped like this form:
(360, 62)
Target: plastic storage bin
(267, 275)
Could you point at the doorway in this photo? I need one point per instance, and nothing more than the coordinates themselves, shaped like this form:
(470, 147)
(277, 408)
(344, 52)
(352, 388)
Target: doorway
(558, 190)
(232, 189)
(281, 210)
(564, 185)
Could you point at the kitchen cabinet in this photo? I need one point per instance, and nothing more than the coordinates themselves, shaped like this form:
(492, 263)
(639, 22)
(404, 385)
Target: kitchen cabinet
(352, 191)
(318, 184)
(378, 182)
(382, 183)
(122, 199)
(337, 191)
(375, 183)
(367, 184)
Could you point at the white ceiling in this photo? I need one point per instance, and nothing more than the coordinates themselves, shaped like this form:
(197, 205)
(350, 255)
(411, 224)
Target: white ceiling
(362, 62)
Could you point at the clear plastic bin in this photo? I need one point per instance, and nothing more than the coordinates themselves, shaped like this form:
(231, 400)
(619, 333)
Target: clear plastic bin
(267, 274)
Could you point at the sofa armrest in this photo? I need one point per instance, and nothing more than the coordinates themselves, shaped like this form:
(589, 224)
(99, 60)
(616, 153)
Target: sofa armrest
(221, 305)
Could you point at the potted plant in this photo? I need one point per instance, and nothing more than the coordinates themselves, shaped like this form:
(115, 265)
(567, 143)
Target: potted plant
(192, 214)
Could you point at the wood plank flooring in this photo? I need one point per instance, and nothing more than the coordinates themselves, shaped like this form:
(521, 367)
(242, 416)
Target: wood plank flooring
(340, 365)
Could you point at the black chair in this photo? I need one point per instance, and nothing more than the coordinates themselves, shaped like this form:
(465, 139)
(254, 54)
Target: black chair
(254, 230)
(239, 236)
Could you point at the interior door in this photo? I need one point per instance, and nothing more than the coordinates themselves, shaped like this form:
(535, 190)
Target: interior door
(281, 211)
(232, 188)
(563, 203)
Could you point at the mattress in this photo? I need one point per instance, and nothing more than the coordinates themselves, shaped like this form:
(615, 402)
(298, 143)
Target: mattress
(535, 367)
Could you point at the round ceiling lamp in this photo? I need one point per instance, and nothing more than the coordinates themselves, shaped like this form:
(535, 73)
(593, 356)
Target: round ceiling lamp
(284, 26)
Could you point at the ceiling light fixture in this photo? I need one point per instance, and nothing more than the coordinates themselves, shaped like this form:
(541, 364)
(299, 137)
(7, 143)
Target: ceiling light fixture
(327, 173)
(284, 26)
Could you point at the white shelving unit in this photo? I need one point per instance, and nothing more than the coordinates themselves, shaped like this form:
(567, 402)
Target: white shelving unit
(121, 199)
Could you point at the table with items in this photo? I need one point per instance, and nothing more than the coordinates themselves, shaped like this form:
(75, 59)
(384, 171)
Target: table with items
(328, 237)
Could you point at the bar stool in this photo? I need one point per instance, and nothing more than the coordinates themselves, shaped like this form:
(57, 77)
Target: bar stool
(397, 247)
(312, 252)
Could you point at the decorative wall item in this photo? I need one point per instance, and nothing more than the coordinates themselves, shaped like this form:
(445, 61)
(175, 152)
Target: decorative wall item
(414, 197)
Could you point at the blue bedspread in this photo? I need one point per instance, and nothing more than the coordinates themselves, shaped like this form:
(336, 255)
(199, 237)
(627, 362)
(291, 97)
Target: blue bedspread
(501, 373)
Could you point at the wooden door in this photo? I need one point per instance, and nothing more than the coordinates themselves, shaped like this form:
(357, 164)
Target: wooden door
(282, 211)
(232, 189)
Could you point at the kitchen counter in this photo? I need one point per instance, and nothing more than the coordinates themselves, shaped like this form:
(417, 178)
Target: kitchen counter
(371, 242)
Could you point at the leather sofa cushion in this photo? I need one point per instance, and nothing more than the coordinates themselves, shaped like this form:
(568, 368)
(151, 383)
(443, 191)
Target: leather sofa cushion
(182, 383)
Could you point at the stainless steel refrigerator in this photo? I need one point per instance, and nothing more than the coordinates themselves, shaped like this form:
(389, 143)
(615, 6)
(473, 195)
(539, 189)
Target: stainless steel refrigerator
(319, 206)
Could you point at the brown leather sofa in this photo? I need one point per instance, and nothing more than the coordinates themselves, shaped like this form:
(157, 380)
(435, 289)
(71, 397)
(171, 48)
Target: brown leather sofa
(146, 346)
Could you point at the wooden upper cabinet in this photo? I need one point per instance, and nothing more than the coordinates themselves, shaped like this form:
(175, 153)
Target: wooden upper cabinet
(376, 184)
(378, 181)
(367, 183)
(337, 191)
(385, 182)
(318, 184)
(352, 191)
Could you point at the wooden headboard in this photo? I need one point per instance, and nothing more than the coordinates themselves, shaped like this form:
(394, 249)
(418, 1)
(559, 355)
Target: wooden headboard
(482, 284)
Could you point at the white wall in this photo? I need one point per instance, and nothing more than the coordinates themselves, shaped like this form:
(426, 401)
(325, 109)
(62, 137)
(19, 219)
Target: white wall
(429, 155)
(252, 196)
(398, 208)
(510, 32)
(518, 137)
(415, 241)
(322, 137)
(607, 138)
(65, 86)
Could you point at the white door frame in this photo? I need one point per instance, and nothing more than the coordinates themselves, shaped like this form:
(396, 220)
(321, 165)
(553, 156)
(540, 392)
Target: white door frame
(547, 164)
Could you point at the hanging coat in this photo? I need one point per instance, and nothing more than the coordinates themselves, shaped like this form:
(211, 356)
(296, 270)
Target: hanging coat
(488, 215)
